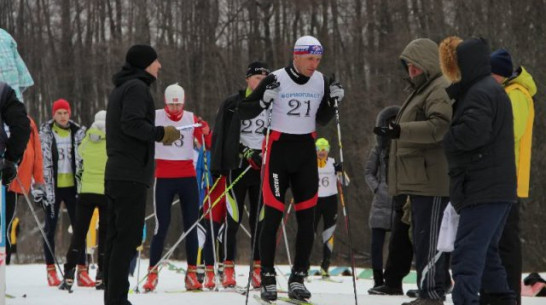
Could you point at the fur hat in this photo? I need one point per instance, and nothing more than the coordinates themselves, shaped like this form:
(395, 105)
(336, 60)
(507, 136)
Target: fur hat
(448, 58)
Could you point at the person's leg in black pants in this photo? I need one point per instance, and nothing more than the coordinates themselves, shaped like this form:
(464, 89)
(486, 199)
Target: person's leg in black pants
(11, 203)
(511, 256)
(427, 212)
(84, 212)
(378, 240)
(400, 253)
(126, 211)
(68, 196)
(51, 217)
(103, 229)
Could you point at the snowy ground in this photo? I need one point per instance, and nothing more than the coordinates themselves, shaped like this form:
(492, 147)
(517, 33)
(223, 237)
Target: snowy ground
(27, 283)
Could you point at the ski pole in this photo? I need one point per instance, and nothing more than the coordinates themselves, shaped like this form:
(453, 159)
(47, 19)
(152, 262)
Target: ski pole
(31, 207)
(185, 233)
(178, 200)
(260, 203)
(342, 199)
(211, 222)
(139, 256)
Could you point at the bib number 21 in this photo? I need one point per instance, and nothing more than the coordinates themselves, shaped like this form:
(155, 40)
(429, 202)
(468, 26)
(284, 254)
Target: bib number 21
(295, 106)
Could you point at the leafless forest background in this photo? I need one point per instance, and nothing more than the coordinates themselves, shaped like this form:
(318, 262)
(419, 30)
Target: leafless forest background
(73, 47)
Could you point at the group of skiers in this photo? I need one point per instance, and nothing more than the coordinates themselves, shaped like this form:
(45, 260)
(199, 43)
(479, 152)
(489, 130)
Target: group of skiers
(263, 142)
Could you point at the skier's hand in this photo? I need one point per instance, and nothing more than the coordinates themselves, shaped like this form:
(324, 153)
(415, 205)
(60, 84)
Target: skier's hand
(270, 94)
(171, 134)
(338, 167)
(254, 159)
(9, 171)
(205, 128)
(337, 91)
(38, 193)
(392, 131)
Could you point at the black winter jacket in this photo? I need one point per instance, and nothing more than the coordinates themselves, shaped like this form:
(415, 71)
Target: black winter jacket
(226, 136)
(14, 115)
(130, 121)
(480, 142)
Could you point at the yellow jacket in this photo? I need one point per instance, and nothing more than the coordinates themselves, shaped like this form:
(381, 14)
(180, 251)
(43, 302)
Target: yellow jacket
(521, 90)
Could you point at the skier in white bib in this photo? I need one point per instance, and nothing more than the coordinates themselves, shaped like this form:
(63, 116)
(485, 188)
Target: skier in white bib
(299, 96)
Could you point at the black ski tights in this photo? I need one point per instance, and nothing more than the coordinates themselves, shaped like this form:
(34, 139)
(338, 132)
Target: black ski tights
(304, 238)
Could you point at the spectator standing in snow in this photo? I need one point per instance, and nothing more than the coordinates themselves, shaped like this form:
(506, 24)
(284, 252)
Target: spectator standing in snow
(130, 121)
(480, 151)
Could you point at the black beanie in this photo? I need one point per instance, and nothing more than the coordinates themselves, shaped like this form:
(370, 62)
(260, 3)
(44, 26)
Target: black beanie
(141, 56)
(501, 63)
(257, 68)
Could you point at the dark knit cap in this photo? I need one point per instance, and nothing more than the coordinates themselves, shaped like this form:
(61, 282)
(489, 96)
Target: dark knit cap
(501, 63)
(141, 56)
(257, 68)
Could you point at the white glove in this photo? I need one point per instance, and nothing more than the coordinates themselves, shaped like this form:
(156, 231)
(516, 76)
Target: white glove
(337, 91)
(270, 94)
(38, 192)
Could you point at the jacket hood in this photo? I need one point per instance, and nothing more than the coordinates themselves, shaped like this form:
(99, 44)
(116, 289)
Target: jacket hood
(523, 78)
(96, 135)
(100, 121)
(423, 53)
(464, 61)
(129, 72)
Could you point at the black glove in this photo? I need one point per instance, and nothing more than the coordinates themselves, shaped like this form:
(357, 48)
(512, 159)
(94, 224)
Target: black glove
(392, 131)
(271, 93)
(336, 91)
(9, 171)
(254, 159)
(338, 167)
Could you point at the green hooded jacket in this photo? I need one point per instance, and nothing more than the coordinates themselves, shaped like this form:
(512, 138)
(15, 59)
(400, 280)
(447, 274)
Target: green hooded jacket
(93, 154)
(417, 163)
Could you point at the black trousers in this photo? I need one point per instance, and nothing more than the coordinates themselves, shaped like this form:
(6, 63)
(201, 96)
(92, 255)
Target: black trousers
(87, 203)
(432, 271)
(68, 196)
(126, 210)
(11, 204)
(326, 210)
(510, 254)
(249, 184)
(400, 247)
(378, 240)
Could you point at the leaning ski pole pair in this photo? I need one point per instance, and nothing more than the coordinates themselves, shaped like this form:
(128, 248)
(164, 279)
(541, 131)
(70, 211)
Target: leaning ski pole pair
(185, 233)
(342, 199)
(49, 248)
(211, 222)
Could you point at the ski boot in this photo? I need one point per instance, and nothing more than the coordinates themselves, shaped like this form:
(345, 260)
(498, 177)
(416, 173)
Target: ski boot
(210, 281)
(296, 288)
(269, 285)
(191, 279)
(99, 283)
(324, 266)
(52, 279)
(68, 279)
(256, 278)
(151, 281)
(229, 275)
(201, 273)
(83, 277)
